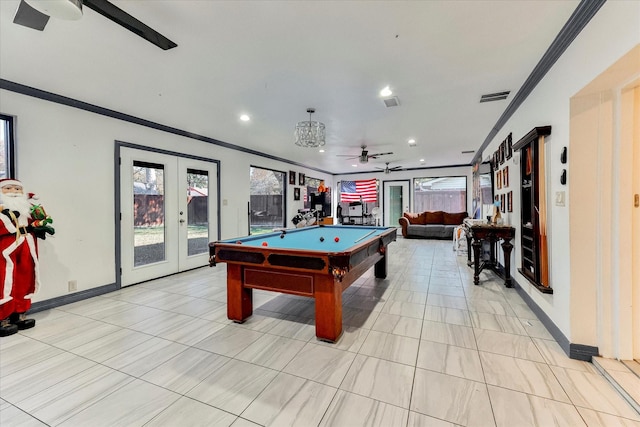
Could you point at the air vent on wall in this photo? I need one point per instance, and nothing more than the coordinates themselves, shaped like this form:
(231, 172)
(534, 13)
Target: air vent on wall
(469, 152)
(391, 102)
(498, 96)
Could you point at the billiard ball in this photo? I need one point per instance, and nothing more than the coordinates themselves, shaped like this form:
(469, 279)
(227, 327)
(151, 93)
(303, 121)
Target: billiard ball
(238, 242)
(337, 239)
(264, 244)
(282, 236)
(322, 239)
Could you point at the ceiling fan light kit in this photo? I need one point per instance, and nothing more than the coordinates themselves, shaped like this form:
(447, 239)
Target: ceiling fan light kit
(364, 156)
(388, 170)
(310, 134)
(69, 10)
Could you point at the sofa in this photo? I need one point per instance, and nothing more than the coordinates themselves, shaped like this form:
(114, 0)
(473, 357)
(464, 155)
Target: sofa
(430, 224)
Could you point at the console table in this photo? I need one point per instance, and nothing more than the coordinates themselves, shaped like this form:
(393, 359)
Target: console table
(476, 234)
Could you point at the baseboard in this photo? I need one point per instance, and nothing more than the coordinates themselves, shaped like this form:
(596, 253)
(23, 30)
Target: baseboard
(573, 350)
(582, 352)
(68, 299)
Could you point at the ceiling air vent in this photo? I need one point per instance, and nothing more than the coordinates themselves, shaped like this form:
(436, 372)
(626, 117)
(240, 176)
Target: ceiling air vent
(498, 96)
(391, 102)
(468, 152)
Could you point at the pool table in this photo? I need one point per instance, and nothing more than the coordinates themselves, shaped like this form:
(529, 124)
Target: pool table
(319, 262)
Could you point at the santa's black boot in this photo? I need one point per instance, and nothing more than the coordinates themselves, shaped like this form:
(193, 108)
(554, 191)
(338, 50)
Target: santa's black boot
(6, 328)
(21, 321)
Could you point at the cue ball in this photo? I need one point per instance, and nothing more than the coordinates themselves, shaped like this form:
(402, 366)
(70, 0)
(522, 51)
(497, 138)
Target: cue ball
(264, 244)
(337, 239)
(322, 239)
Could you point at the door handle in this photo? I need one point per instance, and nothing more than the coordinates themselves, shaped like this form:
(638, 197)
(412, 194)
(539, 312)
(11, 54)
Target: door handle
(181, 221)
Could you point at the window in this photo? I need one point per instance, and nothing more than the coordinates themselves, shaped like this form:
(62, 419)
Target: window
(446, 193)
(7, 147)
(267, 200)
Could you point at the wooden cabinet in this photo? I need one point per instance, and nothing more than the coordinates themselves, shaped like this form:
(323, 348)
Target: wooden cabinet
(533, 208)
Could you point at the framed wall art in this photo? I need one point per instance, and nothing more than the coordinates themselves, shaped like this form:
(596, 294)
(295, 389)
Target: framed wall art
(503, 204)
(300, 179)
(510, 201)
(505, 177)
(292, 178)
(296, 193)
(499, 180)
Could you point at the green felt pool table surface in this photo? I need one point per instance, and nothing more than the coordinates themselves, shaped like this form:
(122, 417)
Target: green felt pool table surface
(319, 238)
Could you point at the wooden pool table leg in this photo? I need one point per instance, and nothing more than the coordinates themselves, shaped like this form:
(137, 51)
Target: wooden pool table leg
(239, 298)
(328, 296)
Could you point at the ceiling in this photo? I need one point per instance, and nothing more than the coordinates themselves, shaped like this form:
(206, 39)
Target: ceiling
(274, 59)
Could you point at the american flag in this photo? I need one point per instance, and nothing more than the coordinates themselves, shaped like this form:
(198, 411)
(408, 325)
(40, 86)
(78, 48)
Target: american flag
(351, 191)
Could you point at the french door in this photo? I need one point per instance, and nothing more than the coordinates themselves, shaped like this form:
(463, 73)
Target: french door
(396, 201)
(168, 210)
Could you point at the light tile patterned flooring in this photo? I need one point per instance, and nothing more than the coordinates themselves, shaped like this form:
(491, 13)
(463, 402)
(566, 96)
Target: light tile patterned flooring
(425, 347)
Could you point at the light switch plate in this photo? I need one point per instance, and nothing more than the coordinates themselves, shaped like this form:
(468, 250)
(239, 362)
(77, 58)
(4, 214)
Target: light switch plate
(560, 195)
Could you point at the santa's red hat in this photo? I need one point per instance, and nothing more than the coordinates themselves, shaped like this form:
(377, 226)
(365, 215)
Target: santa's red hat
(9, 181)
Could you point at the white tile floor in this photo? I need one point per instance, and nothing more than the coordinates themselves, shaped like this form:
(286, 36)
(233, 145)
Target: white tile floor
(424, 347)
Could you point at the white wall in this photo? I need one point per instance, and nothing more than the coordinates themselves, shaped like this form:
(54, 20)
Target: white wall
(613, 31)
(66, 156)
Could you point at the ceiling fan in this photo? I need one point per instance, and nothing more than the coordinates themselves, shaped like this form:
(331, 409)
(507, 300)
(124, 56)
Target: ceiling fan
(35, 14)
(387, 169)
(364, 156)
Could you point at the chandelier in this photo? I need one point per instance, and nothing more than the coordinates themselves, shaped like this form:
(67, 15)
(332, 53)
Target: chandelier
(310, 133)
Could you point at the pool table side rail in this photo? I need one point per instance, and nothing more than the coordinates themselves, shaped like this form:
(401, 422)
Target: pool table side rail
(337, 263)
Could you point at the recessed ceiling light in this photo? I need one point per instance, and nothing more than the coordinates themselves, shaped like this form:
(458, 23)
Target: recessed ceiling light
(245, 118)
(321, 150)
(386, 92)
(355, 166)
(412, 142)
(422, 160)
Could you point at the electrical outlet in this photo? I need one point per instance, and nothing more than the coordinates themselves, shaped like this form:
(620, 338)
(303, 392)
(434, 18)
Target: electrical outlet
(73, 285)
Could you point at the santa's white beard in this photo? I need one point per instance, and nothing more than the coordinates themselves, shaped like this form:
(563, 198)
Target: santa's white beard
(17, 202)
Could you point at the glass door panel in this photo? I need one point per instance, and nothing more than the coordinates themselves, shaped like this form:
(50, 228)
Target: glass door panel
(148, 212)
(396, 201)
(197, 212)
(148, 200)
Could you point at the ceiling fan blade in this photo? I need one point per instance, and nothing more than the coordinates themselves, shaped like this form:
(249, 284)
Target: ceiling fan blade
(29, 17)
(122, 18)
(373, 156)
(348, 156)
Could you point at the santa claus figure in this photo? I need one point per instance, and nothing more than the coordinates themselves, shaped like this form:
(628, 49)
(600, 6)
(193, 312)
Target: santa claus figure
(21, 222)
